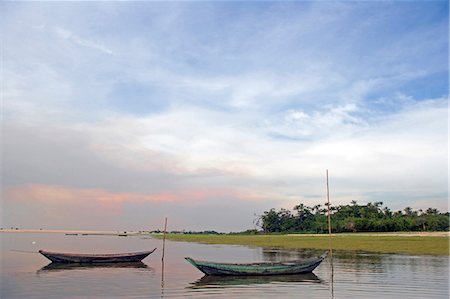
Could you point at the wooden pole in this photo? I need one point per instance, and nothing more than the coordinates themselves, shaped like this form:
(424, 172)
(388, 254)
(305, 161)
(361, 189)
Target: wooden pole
(329, 239)
(164, 239)
(329, 213)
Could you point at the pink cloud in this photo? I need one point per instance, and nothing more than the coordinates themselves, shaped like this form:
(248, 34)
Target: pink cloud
(61, 194)
(63, 207)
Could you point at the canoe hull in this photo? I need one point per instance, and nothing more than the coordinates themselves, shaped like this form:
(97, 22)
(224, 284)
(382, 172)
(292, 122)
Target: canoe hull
(57, 257)
(281, 268)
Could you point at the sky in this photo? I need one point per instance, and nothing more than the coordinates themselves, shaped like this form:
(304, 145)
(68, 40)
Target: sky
(118, 114)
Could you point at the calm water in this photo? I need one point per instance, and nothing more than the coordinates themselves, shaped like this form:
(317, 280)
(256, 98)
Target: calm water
(351, 275)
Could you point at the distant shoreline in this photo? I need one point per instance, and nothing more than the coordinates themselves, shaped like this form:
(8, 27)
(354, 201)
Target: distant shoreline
(73, 232)
(130, 233)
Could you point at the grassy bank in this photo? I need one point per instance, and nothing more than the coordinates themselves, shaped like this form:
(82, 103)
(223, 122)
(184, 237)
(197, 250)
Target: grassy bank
(432, 245)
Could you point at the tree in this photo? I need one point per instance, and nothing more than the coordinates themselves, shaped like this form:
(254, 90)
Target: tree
(352, 218)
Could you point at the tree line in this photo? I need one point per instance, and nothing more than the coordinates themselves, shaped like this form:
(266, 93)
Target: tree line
(371, 217)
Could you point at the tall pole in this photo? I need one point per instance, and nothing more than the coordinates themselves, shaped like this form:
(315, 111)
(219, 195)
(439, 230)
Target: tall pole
(328, 199)
(164, 239)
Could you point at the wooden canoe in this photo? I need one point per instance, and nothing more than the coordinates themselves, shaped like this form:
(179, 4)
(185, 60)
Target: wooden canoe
(264, 268)
(58, 257)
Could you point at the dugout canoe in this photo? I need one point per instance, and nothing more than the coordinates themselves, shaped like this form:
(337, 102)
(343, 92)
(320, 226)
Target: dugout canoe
(58, 257)
(262, 268)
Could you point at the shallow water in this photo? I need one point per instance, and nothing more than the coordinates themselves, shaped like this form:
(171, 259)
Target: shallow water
(344, 275)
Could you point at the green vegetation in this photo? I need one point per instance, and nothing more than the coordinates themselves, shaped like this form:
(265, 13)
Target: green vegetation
(352, 223)
(353, 218)
(398, 243)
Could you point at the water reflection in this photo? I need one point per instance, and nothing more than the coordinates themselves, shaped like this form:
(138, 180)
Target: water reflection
(341, 275)
(162, 278)
(283, 254)
(224, 281)
(359, 260)
(55, 267)
(332, 273)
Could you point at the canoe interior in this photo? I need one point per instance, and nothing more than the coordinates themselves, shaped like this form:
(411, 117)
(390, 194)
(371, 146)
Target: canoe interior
(58, 257)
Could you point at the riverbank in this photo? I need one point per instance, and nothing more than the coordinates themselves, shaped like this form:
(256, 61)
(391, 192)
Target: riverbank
(74, 232)
(428, 243)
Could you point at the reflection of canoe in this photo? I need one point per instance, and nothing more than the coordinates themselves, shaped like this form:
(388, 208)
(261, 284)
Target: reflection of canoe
(58, 257)
(264, 268)
(76, 266)
(208, 281)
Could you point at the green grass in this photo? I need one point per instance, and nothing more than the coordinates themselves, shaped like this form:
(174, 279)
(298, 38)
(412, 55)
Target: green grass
(416, 245)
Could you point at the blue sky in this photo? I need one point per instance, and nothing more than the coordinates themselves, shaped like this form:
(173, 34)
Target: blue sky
(141, 110)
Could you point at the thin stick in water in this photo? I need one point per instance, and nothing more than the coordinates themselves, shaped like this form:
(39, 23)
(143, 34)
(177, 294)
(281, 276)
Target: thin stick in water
(164, 239)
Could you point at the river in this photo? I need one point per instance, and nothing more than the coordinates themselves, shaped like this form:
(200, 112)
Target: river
(26, 274)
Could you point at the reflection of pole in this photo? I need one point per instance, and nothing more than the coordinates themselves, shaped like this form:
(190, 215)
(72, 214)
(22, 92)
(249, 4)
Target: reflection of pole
(162, 279)
(162, 258)
(332, 274)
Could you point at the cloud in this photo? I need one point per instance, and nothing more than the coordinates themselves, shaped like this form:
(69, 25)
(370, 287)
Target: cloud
(48, 194)
(200, 147)
(70, 36)
(75, 208)
(298, 124)
(245, 102)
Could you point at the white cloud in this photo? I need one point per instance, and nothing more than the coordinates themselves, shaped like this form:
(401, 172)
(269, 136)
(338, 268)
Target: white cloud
(402, 152)
(68, 35)
(298, 124)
